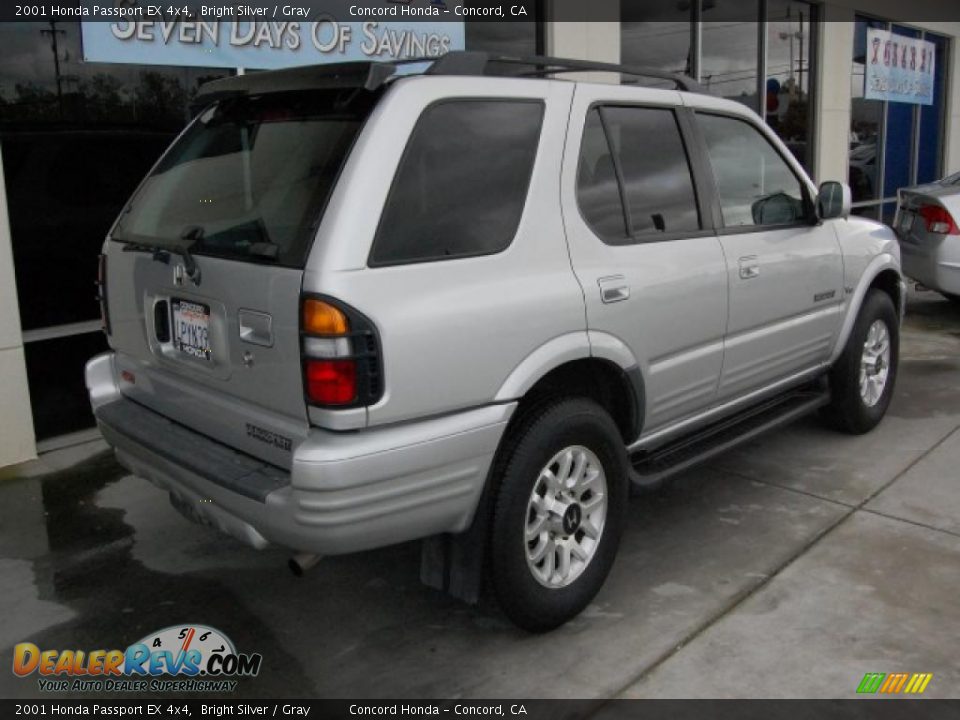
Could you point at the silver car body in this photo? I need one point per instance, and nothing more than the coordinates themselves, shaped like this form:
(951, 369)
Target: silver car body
(463, 341)
(932, 259)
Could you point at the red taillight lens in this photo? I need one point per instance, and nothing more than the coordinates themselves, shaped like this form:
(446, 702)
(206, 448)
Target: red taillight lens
(938, 220)
(331, 382)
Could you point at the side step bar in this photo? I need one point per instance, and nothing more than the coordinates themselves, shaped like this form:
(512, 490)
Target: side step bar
(652, 467)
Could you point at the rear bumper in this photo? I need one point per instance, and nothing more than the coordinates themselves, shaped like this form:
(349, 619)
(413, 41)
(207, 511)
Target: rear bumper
(935, 264)
(345, 492)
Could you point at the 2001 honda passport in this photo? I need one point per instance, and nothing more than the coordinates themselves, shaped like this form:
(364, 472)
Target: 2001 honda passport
(351, 307)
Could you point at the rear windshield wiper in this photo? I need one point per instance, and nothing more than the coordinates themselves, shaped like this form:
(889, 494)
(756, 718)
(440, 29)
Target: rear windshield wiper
(162, 252)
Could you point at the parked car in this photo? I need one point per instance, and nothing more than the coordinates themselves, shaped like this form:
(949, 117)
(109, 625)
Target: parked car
(349, 309)
(929, 236)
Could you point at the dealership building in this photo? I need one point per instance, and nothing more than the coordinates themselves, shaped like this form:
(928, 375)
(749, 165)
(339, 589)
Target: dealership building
(86, 108)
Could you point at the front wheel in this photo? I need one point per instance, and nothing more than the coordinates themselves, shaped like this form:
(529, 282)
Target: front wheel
(862, 380)
(559, 513)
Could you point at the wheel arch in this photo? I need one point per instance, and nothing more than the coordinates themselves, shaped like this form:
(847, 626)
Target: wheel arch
(883, 274)
(588, 364)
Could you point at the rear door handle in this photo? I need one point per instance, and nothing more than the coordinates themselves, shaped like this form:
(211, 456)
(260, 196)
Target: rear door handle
(749, 267)
(613, 289)
(256, 327)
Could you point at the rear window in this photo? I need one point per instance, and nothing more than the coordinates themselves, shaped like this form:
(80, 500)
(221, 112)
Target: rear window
(462, 183)
(250, 178)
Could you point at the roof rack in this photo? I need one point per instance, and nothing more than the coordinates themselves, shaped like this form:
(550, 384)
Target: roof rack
(372, 75)
(469, 62)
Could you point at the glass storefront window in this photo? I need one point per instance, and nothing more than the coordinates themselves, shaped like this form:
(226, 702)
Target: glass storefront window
(665, 34)
(656, 34)
(729, 53)
(932, 117)
(514, 39)
(76, 139)
(892, 144)
(790, 75)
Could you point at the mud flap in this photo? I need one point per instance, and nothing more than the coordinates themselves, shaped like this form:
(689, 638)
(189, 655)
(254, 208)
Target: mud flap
(454, 564)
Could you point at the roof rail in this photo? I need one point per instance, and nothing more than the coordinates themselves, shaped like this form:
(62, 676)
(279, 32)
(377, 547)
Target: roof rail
(467, 62)
(372, 75)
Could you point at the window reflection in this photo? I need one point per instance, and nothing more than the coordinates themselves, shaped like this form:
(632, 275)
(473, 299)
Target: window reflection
(38, 85)
(866, 117)
(728, 67)
(514, 39)
(790, 75)
(656, 34)
(76, 139)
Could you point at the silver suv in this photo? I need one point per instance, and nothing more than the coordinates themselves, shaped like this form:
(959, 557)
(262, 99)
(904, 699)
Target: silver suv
(353, 306)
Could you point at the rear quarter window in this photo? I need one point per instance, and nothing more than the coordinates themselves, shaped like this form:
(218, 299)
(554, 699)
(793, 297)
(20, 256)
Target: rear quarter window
(462, 183)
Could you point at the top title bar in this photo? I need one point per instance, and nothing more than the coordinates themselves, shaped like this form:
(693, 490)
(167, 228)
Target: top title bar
(416, 10)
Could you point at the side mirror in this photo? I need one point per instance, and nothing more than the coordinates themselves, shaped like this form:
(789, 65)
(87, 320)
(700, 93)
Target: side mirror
(834, 200)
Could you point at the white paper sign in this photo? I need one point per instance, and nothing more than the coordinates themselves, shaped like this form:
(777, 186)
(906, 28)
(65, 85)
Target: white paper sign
(898, 68)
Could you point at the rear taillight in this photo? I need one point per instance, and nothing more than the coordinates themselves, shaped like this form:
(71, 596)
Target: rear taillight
(102, 294)
(938, 220)
(341, 355)
(331, 382)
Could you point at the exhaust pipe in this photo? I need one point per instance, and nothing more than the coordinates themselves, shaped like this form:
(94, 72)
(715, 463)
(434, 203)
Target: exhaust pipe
(301, 562)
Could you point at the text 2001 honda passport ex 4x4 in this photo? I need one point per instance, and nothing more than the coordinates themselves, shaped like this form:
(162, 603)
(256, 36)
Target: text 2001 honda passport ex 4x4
(350, 308)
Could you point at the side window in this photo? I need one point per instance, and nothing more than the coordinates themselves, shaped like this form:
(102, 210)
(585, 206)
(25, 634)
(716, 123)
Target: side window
(597, 189)
(657, 182)
(755, 184)
(462, 182)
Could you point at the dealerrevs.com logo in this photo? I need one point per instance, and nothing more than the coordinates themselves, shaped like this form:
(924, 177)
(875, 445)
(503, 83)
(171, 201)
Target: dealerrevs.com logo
(180, 658)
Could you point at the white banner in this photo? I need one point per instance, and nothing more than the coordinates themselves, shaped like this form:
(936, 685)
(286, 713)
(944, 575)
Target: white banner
(899, 68)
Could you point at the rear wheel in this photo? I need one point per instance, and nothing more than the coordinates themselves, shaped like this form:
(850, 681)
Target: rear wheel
(862, 380)
(559, 513)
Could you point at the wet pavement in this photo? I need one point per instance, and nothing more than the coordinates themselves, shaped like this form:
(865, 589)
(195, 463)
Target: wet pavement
(804, 555)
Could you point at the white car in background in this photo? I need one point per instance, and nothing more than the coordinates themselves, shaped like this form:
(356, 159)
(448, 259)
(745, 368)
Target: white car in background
(926, 224)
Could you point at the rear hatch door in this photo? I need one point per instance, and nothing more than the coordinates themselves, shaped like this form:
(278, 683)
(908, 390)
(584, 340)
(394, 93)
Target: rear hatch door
(205, 265)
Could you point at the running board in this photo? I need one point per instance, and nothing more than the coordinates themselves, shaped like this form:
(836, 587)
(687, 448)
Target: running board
(652, 467)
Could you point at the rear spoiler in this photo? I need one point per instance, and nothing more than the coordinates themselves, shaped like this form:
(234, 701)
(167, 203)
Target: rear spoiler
(359, 75)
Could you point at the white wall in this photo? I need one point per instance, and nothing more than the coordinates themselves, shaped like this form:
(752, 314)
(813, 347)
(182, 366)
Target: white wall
(17, 442)
(598, 41)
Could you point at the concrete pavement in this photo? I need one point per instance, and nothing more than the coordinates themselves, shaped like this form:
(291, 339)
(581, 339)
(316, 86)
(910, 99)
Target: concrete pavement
(788, 568)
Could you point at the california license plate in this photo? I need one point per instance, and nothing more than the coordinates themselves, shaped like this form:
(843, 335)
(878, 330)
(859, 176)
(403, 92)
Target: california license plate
(191, 329)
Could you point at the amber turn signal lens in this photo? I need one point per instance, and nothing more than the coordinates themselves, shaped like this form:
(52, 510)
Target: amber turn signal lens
(320, 318)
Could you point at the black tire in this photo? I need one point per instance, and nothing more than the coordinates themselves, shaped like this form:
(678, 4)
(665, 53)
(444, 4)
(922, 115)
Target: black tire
(848, 411)
(955, 299)
(542, 434)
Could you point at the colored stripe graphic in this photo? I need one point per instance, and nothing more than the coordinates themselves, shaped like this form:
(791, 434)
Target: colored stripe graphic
(893, 683)
(871, 682)
(918, 683)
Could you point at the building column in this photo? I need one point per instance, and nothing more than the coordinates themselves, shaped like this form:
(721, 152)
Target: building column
(17, 442)
(833, 102)
(951, 133)
(597, 41)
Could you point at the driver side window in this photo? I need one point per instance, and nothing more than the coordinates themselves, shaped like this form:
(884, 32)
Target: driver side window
(755, 185)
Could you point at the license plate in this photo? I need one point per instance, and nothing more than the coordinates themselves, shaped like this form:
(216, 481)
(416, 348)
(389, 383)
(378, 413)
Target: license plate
(191, 329)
